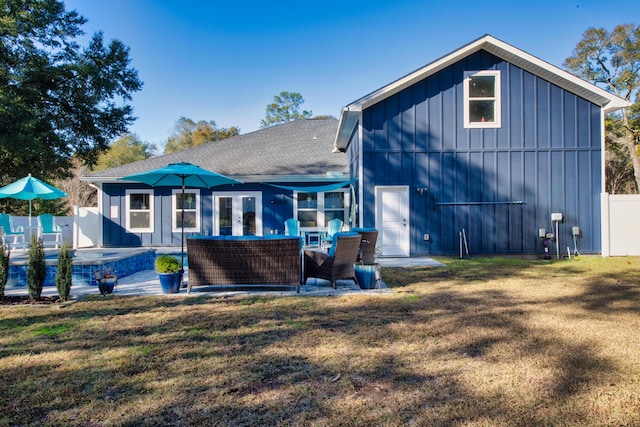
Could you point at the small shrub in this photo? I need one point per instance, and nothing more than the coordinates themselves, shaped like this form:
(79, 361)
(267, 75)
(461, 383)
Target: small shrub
(36, 269)
(65, 271)
(168, 264)
(4, 267)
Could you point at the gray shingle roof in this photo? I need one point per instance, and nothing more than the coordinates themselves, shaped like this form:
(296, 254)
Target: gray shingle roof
(301, 147)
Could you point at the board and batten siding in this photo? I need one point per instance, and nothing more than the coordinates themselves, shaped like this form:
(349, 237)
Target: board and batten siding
(277, 206)
(546, 154)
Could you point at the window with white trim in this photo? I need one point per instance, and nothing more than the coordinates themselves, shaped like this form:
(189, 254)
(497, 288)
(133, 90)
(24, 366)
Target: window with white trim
(315, 210)
(191, 203)
(482, 99)
(139, 211)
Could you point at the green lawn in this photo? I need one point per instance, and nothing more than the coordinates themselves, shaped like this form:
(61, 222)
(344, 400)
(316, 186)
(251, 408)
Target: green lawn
(482, 342)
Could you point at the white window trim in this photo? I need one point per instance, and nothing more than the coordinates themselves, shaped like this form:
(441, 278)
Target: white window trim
(320, 209)
(497, 100)
(128, 210)
(175, 213)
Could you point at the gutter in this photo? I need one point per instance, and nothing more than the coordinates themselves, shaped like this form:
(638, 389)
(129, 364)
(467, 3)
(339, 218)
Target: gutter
(349, 118)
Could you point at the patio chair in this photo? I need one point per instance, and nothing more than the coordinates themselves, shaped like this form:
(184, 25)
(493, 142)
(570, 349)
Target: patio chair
(367, 253)
(338, 263)
(46, 227)
(9, 232)
(333, 227)
(292, 227)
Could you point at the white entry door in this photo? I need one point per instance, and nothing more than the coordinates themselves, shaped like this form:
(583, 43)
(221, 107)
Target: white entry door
(392, 220)
(237, 214)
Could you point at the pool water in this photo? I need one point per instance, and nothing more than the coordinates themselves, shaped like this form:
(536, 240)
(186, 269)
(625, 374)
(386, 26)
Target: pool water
(85, 263)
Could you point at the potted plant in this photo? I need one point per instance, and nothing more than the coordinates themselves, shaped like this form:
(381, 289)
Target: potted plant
(368, 275)
(169, 269)
(107, 279)
(367, 270)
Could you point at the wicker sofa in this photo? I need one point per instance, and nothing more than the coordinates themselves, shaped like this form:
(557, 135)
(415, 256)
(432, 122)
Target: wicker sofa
(240, 260)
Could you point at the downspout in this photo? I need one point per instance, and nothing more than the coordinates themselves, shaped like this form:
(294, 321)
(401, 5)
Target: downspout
(360, 174)
(604, 196)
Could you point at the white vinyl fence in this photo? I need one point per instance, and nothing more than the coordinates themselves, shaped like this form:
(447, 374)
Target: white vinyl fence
(86, 227)
(620, 224)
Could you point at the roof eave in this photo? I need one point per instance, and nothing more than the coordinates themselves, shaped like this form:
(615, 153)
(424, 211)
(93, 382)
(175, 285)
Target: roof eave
(328, 177)
(346, 125)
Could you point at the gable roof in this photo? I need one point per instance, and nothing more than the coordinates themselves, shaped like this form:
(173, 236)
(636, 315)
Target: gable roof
(295, 151)
(350, 114)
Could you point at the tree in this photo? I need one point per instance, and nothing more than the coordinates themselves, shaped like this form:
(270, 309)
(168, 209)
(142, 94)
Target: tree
(284, 108)
(127, 149)
(187, 134)
(618, 164)
(612, 61)
(58, 100)
(79, 193)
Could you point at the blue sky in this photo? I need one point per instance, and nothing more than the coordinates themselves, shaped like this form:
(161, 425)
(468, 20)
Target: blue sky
(225, 60)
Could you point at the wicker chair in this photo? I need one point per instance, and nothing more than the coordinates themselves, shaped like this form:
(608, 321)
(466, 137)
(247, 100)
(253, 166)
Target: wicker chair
(367, 253)
(338, 263)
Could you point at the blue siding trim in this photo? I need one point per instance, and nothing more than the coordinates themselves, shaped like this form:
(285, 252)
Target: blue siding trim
(547, 153)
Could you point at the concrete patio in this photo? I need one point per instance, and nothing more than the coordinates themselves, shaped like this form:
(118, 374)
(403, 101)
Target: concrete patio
(147, 283)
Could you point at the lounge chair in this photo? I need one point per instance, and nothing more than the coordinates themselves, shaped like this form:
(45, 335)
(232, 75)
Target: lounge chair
(292, 227)
(338, 263)
(9, 232)
(333, 227)
(46, 227)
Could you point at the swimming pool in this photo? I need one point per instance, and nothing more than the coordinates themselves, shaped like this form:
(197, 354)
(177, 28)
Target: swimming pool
(124, 262)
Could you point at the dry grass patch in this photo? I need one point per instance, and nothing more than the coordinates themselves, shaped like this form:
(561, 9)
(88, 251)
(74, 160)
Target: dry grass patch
(482, 342)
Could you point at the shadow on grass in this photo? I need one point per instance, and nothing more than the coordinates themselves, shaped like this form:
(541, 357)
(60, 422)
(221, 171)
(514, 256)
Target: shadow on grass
(434, 353)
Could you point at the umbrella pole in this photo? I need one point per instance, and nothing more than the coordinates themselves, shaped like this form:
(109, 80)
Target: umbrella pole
(182, 224)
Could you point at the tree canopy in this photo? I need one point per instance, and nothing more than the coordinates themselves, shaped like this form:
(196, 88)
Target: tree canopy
(187, 134)
(127, 149)
(284, 108)
(57, 99)
(611, 60)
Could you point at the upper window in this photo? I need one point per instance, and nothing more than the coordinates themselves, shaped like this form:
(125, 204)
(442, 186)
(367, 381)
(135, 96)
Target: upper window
(482, 99)
(139, 215)
(191, 204)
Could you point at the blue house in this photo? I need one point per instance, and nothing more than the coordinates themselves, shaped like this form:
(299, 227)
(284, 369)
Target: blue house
(476, 151)
(287, 171)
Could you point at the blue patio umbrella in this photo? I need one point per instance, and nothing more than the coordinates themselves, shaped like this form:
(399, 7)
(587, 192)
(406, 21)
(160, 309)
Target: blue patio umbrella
(181, 175)
(29, 188)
